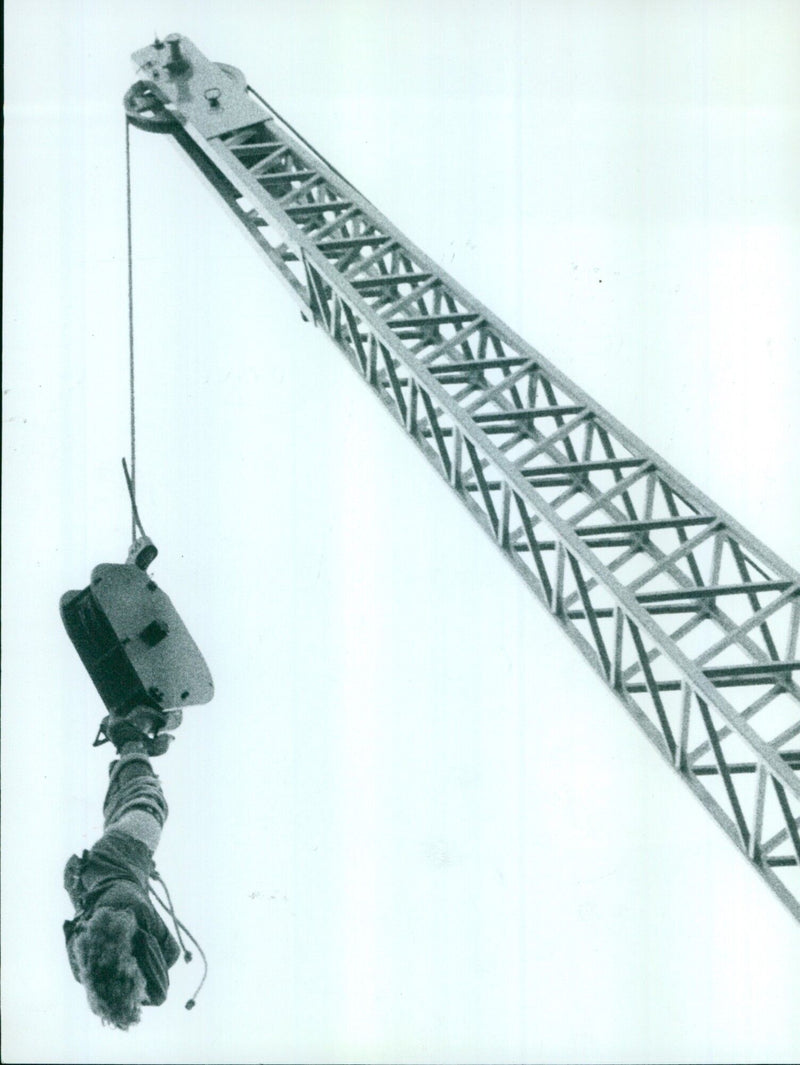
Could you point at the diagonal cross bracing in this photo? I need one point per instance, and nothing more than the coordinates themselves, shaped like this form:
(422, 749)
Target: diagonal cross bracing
(611, 539)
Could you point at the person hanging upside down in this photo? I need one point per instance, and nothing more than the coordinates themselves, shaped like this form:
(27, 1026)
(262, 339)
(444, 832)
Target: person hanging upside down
(118, 946)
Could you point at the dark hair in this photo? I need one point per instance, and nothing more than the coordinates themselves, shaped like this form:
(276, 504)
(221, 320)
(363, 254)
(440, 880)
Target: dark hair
(103, 951)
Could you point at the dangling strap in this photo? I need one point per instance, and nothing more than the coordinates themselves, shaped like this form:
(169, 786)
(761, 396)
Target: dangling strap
(179, 926)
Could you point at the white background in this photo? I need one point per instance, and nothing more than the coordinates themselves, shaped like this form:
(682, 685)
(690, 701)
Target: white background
(413, 825)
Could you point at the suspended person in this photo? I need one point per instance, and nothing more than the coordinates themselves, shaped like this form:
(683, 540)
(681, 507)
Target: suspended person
(119, 948)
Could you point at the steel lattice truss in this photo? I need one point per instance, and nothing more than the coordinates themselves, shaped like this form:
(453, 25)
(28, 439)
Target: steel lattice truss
(683, 613)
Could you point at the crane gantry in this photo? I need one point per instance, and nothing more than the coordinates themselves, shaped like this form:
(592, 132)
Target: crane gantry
(690, 620)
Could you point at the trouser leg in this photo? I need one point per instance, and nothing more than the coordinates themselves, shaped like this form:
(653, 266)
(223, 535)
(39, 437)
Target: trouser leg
(134, 801)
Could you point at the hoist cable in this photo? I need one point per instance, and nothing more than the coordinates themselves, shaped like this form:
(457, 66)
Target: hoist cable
(131, 478)
(136, 521)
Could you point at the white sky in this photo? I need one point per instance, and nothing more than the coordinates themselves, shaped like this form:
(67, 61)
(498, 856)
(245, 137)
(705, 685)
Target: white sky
(412, 825)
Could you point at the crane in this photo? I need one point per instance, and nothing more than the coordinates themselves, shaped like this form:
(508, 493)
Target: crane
(691, 622)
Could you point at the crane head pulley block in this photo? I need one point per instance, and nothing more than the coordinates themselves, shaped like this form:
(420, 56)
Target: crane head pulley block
(180, 85)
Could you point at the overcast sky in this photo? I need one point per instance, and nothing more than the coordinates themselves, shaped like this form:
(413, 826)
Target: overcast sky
(412, 825)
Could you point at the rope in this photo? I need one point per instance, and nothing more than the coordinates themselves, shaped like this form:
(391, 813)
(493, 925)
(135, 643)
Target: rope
(136, 521)
(178, 924)
(170, 909)
(131, 479)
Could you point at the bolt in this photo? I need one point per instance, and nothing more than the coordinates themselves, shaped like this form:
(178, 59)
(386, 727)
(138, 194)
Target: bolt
(177, 62)
(213, 95)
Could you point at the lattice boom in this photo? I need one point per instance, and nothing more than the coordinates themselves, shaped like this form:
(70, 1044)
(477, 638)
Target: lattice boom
(684, 614)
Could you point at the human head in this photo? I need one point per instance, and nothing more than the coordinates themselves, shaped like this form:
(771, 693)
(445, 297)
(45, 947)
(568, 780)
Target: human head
(104, 956)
